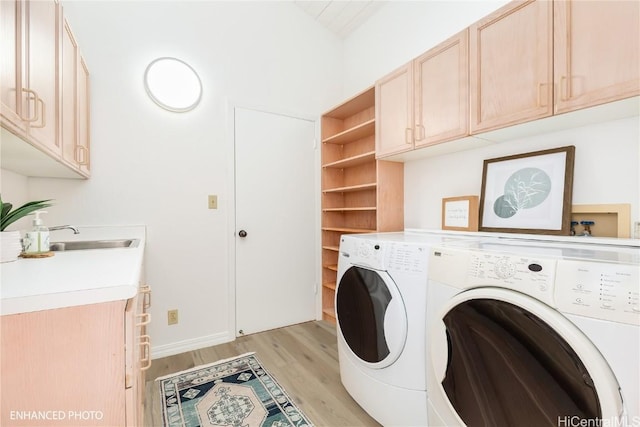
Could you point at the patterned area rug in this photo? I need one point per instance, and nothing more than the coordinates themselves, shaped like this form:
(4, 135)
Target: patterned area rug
(235, 392)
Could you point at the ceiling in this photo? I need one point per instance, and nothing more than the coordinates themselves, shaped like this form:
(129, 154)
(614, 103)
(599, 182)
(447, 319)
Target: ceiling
(340, 16)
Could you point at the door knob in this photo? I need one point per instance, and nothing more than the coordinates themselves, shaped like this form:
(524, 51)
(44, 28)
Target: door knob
(242, 233)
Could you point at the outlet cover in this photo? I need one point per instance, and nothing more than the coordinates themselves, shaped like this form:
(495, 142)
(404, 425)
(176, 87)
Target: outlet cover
(172, 317)
(213, 201)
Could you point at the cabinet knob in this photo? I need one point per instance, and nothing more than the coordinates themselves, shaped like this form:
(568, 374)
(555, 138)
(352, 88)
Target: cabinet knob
(242, 233)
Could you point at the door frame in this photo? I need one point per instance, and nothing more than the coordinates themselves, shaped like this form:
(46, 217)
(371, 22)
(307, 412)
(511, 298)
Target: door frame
(231, 226)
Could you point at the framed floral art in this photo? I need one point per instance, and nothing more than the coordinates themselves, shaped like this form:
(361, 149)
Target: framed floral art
(528, 193)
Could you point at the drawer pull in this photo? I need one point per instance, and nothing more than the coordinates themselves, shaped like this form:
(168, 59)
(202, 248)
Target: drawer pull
(43, 118)
(146, 299)
(81, 156)
(36, 98)
(145, 319)
(145, 351)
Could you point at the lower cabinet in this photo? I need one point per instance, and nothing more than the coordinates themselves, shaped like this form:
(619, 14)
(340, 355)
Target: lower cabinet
(75, 366)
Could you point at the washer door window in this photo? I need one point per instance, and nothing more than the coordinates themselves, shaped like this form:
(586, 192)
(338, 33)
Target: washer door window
(371, 316)
(507, 366)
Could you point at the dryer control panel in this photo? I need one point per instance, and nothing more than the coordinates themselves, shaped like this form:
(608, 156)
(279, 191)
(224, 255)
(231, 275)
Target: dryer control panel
(599, 290)
(531, 276)
(366, 253)
(466, 269)
(385, 255)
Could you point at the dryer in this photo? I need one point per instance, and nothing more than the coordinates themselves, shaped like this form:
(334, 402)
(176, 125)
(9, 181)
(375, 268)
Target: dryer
(380, 311)
(532, 333)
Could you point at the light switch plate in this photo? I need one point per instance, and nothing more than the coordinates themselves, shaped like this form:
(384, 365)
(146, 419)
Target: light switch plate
(172, 317)
(213, 201)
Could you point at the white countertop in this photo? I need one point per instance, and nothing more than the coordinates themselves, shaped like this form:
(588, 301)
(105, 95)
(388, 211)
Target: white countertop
(75, 277)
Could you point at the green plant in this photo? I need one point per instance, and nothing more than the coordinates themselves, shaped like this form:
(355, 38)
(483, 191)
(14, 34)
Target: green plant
(8, 216)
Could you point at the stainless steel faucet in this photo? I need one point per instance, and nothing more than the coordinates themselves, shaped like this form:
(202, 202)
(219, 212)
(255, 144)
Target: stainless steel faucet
(62, 227)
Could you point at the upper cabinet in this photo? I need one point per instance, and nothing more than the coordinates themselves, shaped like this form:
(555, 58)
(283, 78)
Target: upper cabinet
(528, 60)
(30, 49)
(426, 101)
(441, 92)
(75, 104)
(394, 112)
(511, 68)
(596, 52)
(40, 64)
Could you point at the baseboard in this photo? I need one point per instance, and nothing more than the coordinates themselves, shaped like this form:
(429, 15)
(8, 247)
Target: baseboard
(190, 345)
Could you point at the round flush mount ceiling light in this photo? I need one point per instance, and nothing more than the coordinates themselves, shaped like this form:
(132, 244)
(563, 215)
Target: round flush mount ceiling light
(173, 84)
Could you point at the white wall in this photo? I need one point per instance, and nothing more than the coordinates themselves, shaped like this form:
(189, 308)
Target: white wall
(15, 190)
(402, 30)
(155, 167)
(606, 170)
(607, 155)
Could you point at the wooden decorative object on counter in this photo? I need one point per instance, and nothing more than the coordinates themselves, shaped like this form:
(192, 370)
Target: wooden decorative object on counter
(460, 213)
(359, 193)
(37, 255)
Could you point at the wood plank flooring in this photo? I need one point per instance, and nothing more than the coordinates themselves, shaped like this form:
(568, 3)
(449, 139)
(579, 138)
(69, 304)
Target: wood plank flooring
(304, 360)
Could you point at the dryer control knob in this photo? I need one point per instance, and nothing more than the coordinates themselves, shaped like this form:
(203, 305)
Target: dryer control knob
(504, 269)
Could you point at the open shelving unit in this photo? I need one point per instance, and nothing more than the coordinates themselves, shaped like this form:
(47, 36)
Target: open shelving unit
(359, 193)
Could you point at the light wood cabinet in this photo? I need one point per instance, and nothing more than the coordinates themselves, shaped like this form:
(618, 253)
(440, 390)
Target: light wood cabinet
(596, 52)
(394, 112)
(40, 62)
(511, 68)
(426, 101)
(11, 95)
(359, 193)
(75, 104)
(83, 365)
(138, 355)
(441, 95)
(30, 47)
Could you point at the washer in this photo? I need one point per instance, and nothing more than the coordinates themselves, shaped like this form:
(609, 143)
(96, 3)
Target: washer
(533, 333)
(380, 309)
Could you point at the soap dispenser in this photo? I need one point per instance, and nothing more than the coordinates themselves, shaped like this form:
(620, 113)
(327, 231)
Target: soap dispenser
(37, 240)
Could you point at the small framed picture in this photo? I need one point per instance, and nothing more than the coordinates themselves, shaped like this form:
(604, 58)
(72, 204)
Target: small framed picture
(460, 213)
(528, 193)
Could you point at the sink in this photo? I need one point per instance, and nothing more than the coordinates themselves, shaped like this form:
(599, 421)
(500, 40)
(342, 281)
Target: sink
(93, 244)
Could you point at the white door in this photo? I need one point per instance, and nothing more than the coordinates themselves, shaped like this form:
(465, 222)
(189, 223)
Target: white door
(275, 220)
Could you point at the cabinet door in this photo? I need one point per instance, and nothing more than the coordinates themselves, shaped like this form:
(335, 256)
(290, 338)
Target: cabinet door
(84, 135)
(75, 104)
(68, 360)
(41, 62)
(596, 52)
(511, 65)
(137, 355)
(69, 112)
(394, 112)
(442, 92)
(11, 66)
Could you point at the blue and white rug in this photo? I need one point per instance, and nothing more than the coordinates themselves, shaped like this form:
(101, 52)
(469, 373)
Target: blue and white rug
(235, 392)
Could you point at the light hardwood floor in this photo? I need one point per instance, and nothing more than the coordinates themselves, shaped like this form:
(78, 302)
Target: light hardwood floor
(304, 360)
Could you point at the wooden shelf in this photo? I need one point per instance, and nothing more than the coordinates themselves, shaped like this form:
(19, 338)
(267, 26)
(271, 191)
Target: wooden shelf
(361, 209)
(330, 285)
(329, 313)
(353, 134)
(352, 161)
(354, 105)
(373, 204)
(349, 230)
(350, 188)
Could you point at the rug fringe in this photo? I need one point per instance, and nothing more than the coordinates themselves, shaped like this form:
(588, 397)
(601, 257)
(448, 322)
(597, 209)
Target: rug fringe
(204, 366)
